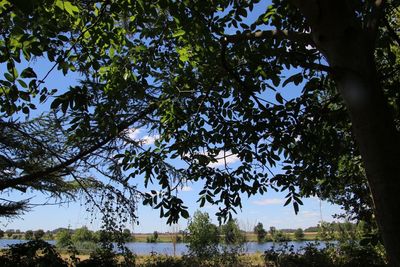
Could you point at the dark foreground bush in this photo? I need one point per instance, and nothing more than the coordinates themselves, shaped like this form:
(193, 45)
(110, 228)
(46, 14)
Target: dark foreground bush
(349, 254)
(33, 253)
(39, 253)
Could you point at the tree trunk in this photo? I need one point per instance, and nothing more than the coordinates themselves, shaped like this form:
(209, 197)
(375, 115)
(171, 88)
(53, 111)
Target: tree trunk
(349, 50)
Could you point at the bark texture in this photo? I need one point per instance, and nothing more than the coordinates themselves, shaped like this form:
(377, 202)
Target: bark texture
(349, 49)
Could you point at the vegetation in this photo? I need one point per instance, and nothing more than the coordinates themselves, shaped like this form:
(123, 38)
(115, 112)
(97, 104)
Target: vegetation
(299, 234)
(203, 236)
(209, 98)
(232, 233)
(153, 238)
(260, 232)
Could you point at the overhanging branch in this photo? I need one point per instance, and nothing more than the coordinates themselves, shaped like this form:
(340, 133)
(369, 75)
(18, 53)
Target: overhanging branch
(36, 176)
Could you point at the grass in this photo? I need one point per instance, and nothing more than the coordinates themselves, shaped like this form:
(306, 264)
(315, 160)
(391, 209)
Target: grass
(254, 259)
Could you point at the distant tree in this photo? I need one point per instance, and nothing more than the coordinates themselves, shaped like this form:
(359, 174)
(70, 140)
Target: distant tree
(299, 234)
(127, 235)
(326, 231)
(9, 233)
(82, 234)
(155, 234)
(260, 232)
(203, 236)
(279, 236)
(1, 233)
(232, 233)
(38, 234)
(272, 231)
(312, 229)
(29, 235)
(63, 238)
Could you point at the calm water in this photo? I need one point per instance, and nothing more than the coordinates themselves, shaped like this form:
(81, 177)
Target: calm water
(167, 248)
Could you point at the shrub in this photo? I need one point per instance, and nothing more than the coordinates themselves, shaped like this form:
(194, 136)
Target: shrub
(32, 253)
(203, 236)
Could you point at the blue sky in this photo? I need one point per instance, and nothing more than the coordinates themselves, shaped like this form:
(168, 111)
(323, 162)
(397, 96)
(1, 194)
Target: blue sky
(267, 209)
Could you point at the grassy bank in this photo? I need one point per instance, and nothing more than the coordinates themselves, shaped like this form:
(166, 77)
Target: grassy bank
(253, 260)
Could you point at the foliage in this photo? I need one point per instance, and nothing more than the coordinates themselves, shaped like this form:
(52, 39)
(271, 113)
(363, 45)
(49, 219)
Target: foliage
(341, 255)
(153, 238)
(299, 234)
(156, 260)
(38, 234)
(127, 236)
(82, 234)
(1, 233)
(32, 253)
(29, 235)
(260, 232)
(203, 236)
(214, 95)
(232, 233)
(63, 238)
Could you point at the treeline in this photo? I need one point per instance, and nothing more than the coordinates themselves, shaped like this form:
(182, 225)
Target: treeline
(79, 233)
(323, 231)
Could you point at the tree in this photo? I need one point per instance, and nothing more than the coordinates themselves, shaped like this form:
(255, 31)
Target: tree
(82, 234)
(260, 232)
(232, 233)
(38, 234)
(127, 235)
(63, 238)
(203, 236)
(29, 235)
(299, 234)
(153, 238)
(210, 96)
(272, 231)
(1, 233)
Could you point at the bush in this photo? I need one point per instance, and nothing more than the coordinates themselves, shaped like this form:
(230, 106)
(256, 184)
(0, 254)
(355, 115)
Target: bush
(157, 260)
(203, 236)
(260, 232)
(32, 253)
(299, 234)
(350, 254)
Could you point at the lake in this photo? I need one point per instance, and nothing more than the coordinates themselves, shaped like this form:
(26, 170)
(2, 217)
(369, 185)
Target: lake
(167, 248)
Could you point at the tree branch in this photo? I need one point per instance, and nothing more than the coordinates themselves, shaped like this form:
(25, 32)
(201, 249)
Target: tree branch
(36, 176)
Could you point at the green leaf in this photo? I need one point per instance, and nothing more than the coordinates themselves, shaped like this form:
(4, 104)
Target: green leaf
(178, 33)
(279, 98)
(185, 214)
(67, 6)
(296, 207)
(28, 73)
(9, 77)
(25, 96)
(22, 83)
(25, 110)
(288, 201)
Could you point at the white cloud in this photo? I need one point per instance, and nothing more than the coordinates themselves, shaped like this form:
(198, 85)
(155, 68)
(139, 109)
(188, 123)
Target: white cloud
(149, 140)
(186, 188)
(269, 201)
(309, 214)
(133, 133)
(228, 159)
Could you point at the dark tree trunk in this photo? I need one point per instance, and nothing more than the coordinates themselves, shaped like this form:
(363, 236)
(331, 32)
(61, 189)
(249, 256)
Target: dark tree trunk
(349, 50)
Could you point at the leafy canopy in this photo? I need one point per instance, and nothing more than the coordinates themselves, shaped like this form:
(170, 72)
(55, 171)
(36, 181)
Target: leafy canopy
(210, 79)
